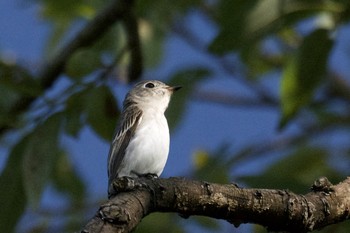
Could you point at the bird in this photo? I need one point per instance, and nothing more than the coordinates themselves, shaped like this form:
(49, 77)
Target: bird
(140, 145)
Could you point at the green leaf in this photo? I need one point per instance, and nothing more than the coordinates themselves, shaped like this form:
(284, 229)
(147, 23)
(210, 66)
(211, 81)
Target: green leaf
(61, 10)
(304, 73)
(296, 171)
(61, 15)
(16, 83)
(242, 23)
(157, 17)
(17, 87)
(12, 194)
(73, 122)
(96, 106)
(89, 59)
(151, 43)
(39, 157)
(340, 227)
(17, 79)
(256, 61)
(73, 114)
(168, 223)
(232, 17)
(214, 167)
(207, 223)
(102, 111)
(83, 62)
(188, 79)
(66, 180)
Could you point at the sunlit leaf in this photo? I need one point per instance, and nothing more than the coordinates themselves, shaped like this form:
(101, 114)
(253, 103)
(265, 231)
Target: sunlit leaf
(187, 79)
(304, 73)
(242, 23)
(152, 43)
(258, 229)
(61, 10)
(39, 157)
(12, 194)
(201, 159)
(213, 167)
(102, 111)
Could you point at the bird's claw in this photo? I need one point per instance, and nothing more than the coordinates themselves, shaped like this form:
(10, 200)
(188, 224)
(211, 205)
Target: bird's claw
(150, 176)
(122, 184)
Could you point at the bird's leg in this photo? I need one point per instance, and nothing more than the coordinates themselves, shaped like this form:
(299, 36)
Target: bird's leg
(150, 176)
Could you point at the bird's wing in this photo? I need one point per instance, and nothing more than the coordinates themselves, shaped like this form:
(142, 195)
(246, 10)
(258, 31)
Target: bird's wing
(130, 120)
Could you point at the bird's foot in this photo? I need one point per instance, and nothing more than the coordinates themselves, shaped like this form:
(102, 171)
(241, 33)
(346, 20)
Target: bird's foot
(145, 175)
(150, 176)
(322, 184)
(123, 184)
(126, 183)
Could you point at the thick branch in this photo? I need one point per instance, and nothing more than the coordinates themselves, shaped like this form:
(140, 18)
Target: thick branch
(275, 209)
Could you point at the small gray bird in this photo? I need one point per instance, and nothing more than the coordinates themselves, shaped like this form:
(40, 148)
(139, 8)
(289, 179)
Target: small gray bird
(141, 143)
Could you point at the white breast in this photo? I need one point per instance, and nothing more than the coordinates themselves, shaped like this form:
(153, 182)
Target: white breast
(148, 150)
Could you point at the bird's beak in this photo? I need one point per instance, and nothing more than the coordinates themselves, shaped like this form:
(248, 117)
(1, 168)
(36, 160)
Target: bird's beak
(175, 88)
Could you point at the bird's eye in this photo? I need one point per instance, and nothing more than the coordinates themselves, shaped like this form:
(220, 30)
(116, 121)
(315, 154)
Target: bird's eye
(149, 85)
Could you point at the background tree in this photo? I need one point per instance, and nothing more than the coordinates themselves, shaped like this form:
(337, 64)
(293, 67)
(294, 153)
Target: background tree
(283, 60)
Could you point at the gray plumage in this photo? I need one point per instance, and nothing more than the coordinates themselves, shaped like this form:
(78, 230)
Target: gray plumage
(141, 142)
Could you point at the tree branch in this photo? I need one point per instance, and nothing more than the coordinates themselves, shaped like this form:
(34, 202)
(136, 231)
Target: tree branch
(116, 10)
(275, 209)
(134, 45)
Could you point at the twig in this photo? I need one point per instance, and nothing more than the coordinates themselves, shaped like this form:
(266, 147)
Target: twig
(113, 12)
(188, 36)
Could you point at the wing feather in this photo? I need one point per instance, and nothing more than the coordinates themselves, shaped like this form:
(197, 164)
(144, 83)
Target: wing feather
(131, 118)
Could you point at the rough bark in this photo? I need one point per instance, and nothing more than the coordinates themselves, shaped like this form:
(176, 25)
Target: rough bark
(277, 210)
